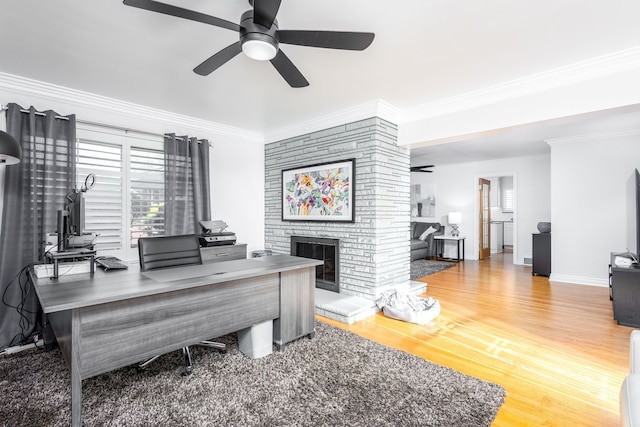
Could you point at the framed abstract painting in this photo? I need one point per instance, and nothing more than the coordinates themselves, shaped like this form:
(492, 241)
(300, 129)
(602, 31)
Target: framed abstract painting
(321, 192)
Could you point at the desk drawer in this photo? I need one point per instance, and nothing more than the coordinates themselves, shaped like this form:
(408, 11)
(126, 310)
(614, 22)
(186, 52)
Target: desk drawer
(224, 253)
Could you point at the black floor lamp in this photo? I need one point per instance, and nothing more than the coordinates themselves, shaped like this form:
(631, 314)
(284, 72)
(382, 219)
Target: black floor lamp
(10, 150)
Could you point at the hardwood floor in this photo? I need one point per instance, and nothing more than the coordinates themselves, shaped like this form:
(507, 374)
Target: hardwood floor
(553, 346)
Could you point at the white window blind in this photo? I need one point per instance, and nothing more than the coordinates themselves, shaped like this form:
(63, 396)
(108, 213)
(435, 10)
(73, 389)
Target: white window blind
(103, 203)
(507, 200)
(127, 200)
(147, 193)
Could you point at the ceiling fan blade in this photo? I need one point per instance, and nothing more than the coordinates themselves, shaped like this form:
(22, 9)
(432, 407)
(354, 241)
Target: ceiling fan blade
(422, 168)
(179, 12)
(288, 71)
(218, 59)
(265, 11)
(327, 39)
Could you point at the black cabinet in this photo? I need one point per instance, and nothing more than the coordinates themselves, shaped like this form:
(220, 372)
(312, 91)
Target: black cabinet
(541, 254)
(625, 293)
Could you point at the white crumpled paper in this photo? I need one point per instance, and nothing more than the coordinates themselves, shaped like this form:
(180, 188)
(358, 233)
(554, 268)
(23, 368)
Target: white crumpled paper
(402, 305)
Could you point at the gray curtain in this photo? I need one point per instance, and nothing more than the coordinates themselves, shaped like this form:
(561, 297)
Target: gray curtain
(34, 191)
(186, 184)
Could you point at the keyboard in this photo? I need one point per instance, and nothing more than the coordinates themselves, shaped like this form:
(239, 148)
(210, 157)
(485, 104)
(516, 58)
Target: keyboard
(110, 263)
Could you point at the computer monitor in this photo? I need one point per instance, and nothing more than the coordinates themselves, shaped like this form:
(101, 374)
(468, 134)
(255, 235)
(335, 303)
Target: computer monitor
(75, 223)
(71, 231)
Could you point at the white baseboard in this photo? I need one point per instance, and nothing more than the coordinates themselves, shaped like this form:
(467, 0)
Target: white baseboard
(589, 281)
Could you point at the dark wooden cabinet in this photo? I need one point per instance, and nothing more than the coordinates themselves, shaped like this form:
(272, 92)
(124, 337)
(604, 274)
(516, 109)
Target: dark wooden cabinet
(541, 254)
(624, 285)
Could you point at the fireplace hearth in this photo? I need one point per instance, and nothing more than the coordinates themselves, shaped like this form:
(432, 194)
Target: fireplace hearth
(324, 249)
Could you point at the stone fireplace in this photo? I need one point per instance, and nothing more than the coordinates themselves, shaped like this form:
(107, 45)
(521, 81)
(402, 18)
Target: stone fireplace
(327, 250)
(373, 249)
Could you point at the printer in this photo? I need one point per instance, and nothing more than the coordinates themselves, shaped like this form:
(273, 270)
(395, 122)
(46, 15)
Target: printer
(214, 234)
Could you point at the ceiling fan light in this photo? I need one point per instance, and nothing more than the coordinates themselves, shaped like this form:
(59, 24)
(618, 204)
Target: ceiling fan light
(10, 150)
(259, 50)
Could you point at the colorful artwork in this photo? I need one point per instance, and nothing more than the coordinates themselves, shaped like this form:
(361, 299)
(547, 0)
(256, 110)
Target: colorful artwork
(319, 192)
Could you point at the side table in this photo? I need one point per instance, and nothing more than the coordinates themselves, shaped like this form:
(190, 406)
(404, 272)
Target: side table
(439, 240)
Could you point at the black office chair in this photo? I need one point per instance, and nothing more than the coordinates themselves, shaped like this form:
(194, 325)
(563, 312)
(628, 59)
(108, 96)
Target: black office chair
(173, 251)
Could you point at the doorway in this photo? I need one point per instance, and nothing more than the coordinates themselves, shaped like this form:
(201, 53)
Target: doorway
(496, 215)
(484, 251)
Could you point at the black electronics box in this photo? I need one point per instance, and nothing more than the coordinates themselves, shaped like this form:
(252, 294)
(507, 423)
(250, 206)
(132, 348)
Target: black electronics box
(217, 239)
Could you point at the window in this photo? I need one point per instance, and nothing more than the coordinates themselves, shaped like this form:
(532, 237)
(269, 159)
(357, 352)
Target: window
(507, 200)
(103, 203)
(506, 193)
(146, 193)
(127, 201)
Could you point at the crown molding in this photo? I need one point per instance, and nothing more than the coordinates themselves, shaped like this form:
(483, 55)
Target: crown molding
(623, 60)
(378, 108)
(604, 65)
(24, 86)
(595, 136)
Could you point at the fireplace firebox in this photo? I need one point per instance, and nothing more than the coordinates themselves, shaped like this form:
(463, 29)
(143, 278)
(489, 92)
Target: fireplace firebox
(327, 250)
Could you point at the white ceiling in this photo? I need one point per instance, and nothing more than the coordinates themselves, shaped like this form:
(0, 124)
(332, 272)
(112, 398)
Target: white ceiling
(424, 51)
(526, 140)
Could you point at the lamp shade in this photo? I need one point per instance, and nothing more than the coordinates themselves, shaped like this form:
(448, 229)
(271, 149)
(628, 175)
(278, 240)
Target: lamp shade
(455, 218)
(10, 150)
(259, 50)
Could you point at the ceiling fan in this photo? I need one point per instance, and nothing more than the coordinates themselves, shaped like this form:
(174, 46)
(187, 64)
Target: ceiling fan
(422, 168)
(260, 37)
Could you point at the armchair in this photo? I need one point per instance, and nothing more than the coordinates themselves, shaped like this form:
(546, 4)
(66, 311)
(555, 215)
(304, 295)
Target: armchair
(173, 251)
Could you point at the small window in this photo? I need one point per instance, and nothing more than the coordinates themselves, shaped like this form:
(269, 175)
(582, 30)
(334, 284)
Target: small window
(507, 200)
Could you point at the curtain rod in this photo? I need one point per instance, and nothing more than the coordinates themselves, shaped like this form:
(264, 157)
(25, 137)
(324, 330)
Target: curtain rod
(38, 113)
(104, 125)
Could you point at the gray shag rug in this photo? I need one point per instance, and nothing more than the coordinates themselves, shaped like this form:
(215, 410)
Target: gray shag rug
(425, 267)
(335, 379)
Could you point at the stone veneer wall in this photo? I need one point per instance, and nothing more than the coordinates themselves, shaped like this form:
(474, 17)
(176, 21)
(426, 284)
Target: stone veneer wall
(374, 250)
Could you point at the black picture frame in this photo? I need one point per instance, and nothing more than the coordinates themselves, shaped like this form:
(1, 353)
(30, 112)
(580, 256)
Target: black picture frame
(322, 192)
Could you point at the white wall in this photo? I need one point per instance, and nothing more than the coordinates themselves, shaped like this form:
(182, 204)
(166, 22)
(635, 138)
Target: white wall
(456, 190)
(589, 200)
(237, 196)
(237, 156)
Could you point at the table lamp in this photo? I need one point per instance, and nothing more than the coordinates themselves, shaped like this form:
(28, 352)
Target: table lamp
(455, 218)
(10, 150)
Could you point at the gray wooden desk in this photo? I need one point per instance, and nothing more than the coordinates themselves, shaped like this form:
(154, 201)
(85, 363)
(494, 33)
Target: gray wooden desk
(100, 321)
